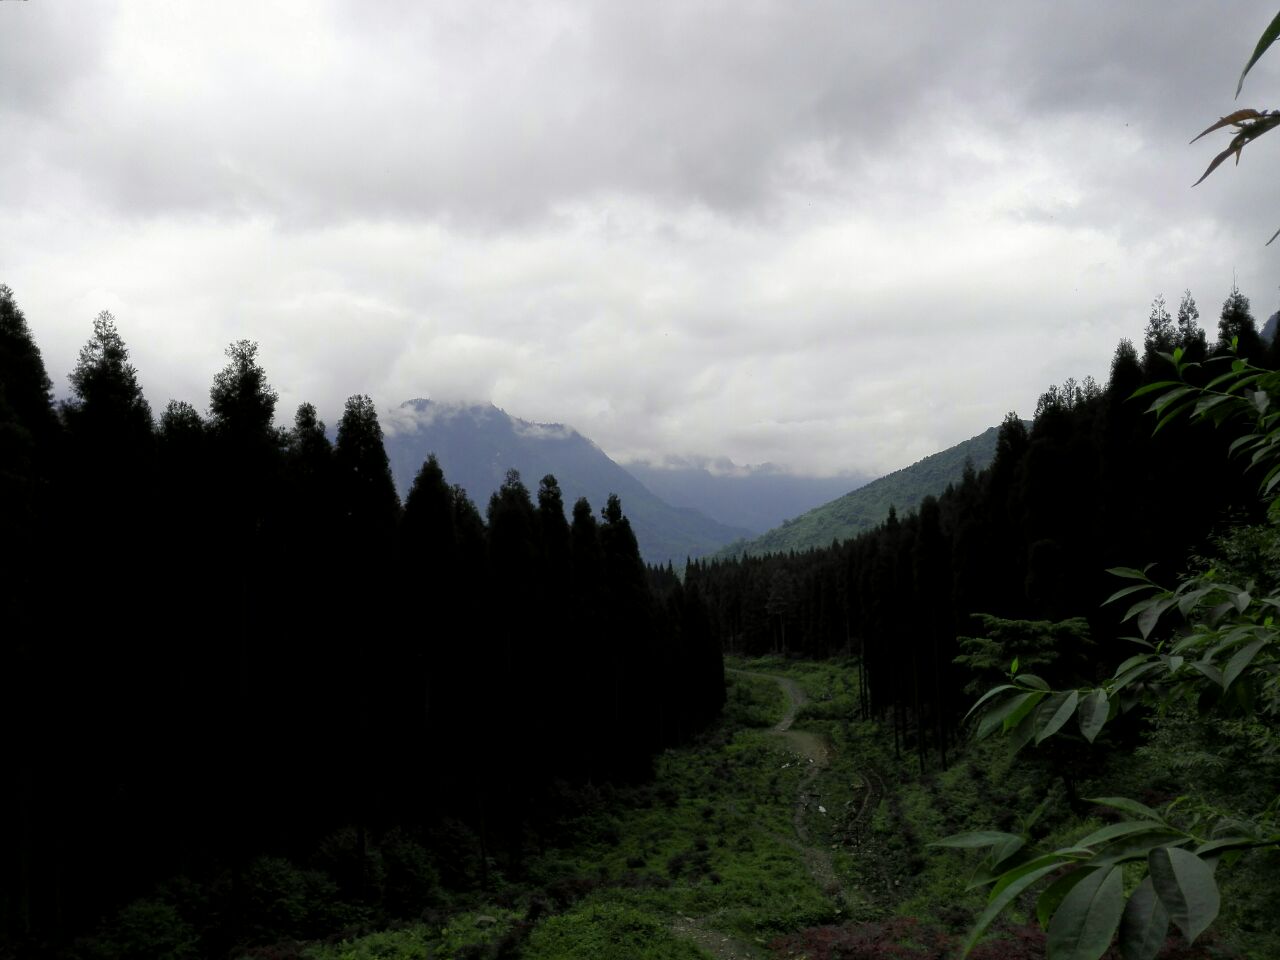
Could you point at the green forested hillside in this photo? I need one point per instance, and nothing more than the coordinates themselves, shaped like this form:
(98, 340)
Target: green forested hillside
(861, 509)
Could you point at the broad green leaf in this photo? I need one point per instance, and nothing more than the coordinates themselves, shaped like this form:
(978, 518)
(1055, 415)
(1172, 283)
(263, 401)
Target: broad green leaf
(1133, 674)
(1143, 391)
(1188, 600)
(1172, 415)
(1057, 711)
(1136, 846)
(1088, 916)
(1126, 591)
(1266, 40)
(1237, 664)
(1002, 853)
(1149, 617)
(976, 838)
(1008, 713)
(1219, 611)
(1052, 895)
(1113, 830)
(1191, 642)
(1145, 924)
(1186, 887)
(1209, 403)
(1130, 573)
(1272, 479)
(1239, 442)
(1133, 661)
(1233, 843)
(1225, 378)
(1093, 712)
(988, 695)
(1007, 890)
(1125, 805)
(1022, 732)
(1209, 670)
(1165, 399)
(1029, 702)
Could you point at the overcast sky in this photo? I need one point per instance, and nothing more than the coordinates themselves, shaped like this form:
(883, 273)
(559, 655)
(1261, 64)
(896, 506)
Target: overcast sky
(834, 236)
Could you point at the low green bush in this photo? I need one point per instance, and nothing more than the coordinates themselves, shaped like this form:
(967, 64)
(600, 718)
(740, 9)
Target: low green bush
(606, 930)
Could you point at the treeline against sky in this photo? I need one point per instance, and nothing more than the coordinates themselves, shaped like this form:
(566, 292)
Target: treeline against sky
(1087, 487)
(224, 639)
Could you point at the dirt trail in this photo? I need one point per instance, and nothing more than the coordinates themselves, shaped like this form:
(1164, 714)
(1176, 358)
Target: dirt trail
(814, 751)
(719, 945)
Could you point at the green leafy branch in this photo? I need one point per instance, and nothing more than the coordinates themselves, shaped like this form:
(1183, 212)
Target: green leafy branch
(1248, 124)
(1231, 643)
(1244, 392)
(1084, 906)
(1203, 637)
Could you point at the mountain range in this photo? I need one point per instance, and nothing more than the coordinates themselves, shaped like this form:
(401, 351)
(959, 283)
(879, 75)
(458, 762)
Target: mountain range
(477, 444)
(681, 509)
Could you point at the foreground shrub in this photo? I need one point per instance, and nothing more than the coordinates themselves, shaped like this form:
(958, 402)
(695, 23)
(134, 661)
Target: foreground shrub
(607, 931)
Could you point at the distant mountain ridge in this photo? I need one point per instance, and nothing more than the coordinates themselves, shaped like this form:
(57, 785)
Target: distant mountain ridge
(477, 444)
(756, 497)
(864, 508)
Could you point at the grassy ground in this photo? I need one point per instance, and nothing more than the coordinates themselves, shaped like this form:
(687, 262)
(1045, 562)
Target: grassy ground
(715, 858)
(907, 896)
(710, 842)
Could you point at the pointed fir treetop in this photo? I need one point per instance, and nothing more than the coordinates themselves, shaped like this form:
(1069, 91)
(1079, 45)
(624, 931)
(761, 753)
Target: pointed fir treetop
(105, 383)
(429, 507)
(1126, 371)
(555, 527)
(1236, 325)
(362, 463)
(550, 500)
(307, 440)
(612, 511)
(1160, 334)
(241, 402)
(584, 518)
(1190, 335)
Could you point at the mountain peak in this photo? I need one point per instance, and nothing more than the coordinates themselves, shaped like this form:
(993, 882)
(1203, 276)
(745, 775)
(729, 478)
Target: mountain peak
(476, 444)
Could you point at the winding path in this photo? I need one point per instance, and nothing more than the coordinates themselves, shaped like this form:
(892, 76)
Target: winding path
(812, 749)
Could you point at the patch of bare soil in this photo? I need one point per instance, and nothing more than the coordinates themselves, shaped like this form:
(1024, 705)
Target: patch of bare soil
(719, 945)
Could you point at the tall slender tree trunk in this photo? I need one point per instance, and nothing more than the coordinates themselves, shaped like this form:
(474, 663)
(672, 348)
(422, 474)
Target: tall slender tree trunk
(915, 703)
(938, 697)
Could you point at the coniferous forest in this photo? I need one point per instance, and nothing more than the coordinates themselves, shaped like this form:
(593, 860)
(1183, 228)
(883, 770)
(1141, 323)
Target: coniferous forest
(1085, 487)
(227, 639)
(243, 679)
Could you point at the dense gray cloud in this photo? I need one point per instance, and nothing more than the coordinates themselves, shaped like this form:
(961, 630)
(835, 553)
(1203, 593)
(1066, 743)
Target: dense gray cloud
(808, 234)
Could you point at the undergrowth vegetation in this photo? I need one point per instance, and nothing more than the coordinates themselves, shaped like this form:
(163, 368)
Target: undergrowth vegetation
(709, 836)
(741, 835)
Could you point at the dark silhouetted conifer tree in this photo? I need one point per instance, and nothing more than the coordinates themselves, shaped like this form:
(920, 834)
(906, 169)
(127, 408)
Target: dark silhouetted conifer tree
(1160, 335)
(1191, 336)
(1237, 324)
